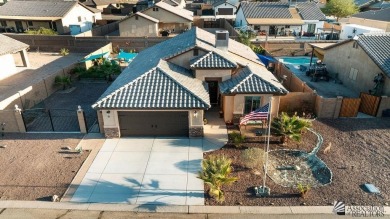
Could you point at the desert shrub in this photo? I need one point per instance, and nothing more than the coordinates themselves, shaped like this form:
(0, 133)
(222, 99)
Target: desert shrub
(303, 189)
(42, 31)
(237, 139)
(64, 81)
(258, 50)
(289, 127)
(104, 71)
(253, 158)
(215, 173)
(64, 51)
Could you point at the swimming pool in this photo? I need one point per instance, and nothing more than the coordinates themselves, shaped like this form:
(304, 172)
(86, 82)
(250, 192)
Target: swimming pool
(297, 60)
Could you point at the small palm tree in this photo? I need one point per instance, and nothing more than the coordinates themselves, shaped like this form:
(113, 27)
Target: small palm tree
(289, 127)
(62, 80)
(215, 173)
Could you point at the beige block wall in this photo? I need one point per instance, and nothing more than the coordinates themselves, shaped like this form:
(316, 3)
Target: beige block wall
(370, 23)
(225, 74)
(294, 101)
(183, 59)
(385, 104)
(8, 67)
(141, 27)
(8, 117)
(327, 107)
(342, 58)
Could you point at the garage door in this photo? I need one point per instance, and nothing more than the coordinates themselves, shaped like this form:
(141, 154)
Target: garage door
(153, 123)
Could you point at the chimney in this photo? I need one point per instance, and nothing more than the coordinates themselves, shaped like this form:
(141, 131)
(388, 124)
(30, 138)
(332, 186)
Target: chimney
(222, 39)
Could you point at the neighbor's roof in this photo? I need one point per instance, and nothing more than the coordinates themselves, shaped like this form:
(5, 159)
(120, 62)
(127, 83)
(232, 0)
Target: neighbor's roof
(171, 2)
(212, 60)
(9, 45)
(150, 59)
(217, 3)
(379, 15)
(252, 80)
(377, 46)
(266, 10)
(166, 86)
(146, 17)
(34, 10)
(310, 11)
(175, 10)
(363, 3)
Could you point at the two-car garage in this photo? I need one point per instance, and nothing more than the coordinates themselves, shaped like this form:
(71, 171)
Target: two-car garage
(153, 123)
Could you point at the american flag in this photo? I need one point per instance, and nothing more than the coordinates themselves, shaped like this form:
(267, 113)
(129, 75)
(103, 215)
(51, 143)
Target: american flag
(261, 113)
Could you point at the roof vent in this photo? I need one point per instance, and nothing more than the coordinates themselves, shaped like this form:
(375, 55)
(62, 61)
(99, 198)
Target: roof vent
(222, 39)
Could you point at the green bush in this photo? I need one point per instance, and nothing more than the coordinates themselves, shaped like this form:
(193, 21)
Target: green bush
(253, 158)
(64, 81)
(215, 173)
(303, 189)
(258, 50)
(64, 51)
(42, 31)
(103, 71)
(237, 139)
(289, 127)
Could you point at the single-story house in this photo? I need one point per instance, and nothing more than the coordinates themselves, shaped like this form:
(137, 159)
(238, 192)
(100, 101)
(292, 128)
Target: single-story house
(359, 62)
(175, 3)
(151, 21)
(9, 46)
(278, 18)
(165, 90)
(60, 16)
(376, 19)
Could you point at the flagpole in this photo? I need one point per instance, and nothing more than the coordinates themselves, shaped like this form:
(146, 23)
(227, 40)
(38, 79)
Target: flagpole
(267, 149)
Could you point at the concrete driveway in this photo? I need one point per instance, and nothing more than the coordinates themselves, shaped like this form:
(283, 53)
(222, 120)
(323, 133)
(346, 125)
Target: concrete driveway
(145, 171)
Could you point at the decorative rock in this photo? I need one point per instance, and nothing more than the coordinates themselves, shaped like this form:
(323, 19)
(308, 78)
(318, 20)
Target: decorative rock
(238, 203)
(386, 203)
(55, 198)
(303, 203)
(272, 203)
(66, 148)
(3, 146)
(297, 167)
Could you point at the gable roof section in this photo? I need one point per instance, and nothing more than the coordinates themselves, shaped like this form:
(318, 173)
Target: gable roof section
(171, 2)
(146, 17)
(31, 9)
(251, 80)
(212, 60)
(363, 3)
(379, 15)
(163, 87)
(377, 47)
(310, 11)
(175, 10)
(217, 3)
(266, 10)
(9, 45)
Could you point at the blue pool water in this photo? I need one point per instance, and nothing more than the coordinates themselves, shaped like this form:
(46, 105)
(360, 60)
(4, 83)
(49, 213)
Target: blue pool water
(298, 60)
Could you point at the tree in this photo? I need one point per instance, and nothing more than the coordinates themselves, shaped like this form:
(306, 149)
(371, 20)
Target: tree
(340, 8)
(289, 127)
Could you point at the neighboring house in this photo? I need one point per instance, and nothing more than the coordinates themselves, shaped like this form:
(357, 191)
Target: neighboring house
(167, 87)
(377, 19)
(98, 4)
(225, 9)
(159, 17)
(9, 46)
(348, 31)
(357, 62)
(276, 18)
(60, 16)
(175, 3)
(366, 5)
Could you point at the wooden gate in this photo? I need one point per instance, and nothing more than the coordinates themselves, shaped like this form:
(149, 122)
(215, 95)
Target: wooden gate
(349, 107)
(369, 104)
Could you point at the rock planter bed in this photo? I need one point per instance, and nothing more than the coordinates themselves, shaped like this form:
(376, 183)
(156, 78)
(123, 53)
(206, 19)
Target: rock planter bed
(359, 154)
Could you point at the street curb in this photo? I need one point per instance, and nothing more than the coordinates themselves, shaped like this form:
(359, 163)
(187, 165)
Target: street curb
(187, 209)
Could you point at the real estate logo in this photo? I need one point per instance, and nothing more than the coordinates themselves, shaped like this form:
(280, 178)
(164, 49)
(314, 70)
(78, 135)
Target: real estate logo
(339, 208)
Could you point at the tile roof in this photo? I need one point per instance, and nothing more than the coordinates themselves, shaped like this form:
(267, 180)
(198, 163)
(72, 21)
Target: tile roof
(166, 86)
(251, 79)
(150, 59)
(363, 3)
(266, 10)
(212, 60)
(310, 11)
(171, 2)
(380, 15)
(9, 45)
(175, 10)
(146, 17)
(377, 46)
(37, 8)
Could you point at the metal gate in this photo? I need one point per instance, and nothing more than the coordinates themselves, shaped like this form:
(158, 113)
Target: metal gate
(349, 107)
(50, 120)
(369, 104)
(91, 121)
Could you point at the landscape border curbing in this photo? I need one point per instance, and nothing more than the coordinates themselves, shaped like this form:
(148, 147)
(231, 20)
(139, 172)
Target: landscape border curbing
(188, 209)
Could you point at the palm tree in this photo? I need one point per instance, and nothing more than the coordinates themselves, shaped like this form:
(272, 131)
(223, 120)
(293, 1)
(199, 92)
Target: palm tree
(289, 127)
(215, 173)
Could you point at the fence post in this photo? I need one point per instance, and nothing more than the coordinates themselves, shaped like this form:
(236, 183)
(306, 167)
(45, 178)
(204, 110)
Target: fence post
(81, 119)
(19, 119)
(337, 108)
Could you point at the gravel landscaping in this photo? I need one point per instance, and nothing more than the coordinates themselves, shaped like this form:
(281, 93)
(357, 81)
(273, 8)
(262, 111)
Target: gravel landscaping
(36, 167)
(359, 154)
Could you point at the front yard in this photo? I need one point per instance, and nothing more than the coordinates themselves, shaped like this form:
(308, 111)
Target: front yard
(359, 154)
(36, 167)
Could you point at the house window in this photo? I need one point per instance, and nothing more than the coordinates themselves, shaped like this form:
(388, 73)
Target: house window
(151, 28)
(30, 23)
(79, 18)
(355, 45)
(3, 23)
(196, 52)
(251, 103)
(287, 26)
(353, 74)
(133, 28)
(155, 9)
(136, 17)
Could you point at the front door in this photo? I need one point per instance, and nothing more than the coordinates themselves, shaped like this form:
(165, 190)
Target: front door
(19, 26)
(213, 91)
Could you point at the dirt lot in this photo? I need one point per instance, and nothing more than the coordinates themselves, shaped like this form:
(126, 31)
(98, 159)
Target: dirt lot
(33, 167)
(359, 154)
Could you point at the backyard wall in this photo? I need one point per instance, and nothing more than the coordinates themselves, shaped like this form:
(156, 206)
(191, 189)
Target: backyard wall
(385, 104)
(291, 82)
(8, 117)
(297, 102)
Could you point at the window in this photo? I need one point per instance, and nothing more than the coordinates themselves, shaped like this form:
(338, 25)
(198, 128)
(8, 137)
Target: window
(3, 23)
(151, 28)
(79, 18)
(251, 103)
(355, 45)
(155, 9)
(133, 28)
(353, 74)
(196, 52)
(136, 17)
(287, 26)
(30, 23)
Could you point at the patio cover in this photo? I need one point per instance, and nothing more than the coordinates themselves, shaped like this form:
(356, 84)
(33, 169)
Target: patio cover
(319, 49)
(266, 59)
(98, 56)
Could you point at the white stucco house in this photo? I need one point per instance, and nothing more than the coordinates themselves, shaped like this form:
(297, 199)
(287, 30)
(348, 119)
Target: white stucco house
(8, 47)
(62, 16)
(279, 19)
